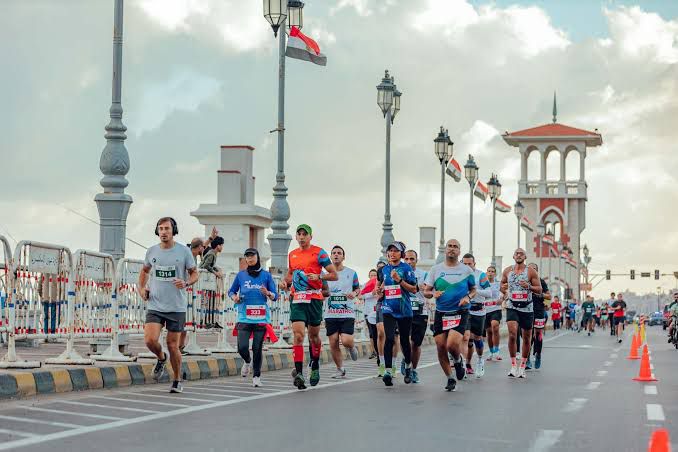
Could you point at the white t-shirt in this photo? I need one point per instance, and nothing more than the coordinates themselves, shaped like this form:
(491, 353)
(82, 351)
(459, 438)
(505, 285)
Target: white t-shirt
(338, 305)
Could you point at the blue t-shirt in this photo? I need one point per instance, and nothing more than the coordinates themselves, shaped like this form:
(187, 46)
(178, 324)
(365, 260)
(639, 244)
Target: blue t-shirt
(573, 312)
(253, 306)
(397, 300)
(455, 283)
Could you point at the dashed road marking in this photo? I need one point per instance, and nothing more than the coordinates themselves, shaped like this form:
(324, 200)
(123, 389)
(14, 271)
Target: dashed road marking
(655, 412)
(545, 440)
(38, 421)
(70, 413)
(601, 373)
(15, 433)
(593, 385)
(575, 405)
(650, 390)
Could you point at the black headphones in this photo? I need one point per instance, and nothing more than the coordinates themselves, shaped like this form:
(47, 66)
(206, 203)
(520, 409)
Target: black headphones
(175, 228)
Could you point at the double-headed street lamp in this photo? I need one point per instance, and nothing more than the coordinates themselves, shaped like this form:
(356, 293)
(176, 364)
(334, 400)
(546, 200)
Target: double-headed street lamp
(471, 174)
(494, 188)
(388, 100)
(587, 261)
(541, 229)
(278, 13)
(443, 151)
(519, 210)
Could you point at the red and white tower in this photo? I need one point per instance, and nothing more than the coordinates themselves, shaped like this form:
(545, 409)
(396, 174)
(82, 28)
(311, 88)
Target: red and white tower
(558, 201)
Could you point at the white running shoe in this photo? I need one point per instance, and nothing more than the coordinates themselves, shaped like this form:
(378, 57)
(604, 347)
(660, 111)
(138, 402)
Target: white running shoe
(480, 367)
(521, 373)
(245, 371)
(353, 352)
(339, 374)
(256, 382)
(513, 372)
(491, 357)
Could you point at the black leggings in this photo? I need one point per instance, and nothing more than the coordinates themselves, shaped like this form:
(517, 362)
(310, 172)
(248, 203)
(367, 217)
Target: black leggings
(537, 340)
(404, 325)
(259, 331)
(373, 335)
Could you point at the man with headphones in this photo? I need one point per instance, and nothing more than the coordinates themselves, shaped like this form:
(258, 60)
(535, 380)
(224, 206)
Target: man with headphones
(171, 268)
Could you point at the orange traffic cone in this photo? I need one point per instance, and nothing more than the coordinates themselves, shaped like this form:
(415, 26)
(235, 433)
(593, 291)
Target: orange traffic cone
(633, 353)
(645, 373)
(659, 441)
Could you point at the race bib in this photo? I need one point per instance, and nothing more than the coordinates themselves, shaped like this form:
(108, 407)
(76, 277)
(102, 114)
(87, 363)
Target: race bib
(165, 273)
(451, 322)
(556, 311)
(302, 296)
(338, 298)
(539, 323)
(415, 306)
(491, 303)
(255, 312)
(392, 292)
(519, 295)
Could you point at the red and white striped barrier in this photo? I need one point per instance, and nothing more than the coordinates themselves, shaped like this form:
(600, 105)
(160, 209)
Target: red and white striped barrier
(5, 285)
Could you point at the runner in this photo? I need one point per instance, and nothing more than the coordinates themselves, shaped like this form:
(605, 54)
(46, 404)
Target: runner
(611, 311)
(541, 305)
(619, 307)
(340, 313)
(381, 334)
(519, 282)
(369, 297)
(556, 310)
(305, 277)
(252, 290)
(493, 314)
(420, 314)
(168, 264)
(572, 315)
(397, 287)
(588, 308)
(452, 284)
(474, 335)
(673, 312)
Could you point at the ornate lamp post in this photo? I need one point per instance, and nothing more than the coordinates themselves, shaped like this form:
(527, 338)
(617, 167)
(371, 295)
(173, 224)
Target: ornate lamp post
(471, 175)
(443, 151)
(540, 234)
(519, 210)
(494, 187)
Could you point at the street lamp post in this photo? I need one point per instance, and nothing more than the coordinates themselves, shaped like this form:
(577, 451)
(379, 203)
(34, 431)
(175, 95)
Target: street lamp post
(388, 100)
(494, 187)
(443, 151)
(559, 249)
(471, 174)
(278, 13)
(587, 261)
(659, 291)
(540, 234)
(519, 210)
(113, 204)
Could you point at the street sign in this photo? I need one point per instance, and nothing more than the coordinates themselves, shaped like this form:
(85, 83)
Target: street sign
(644, 274)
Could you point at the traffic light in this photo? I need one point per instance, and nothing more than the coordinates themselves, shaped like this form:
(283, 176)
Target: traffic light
(633, 274)
(608, 275)
(656, 274)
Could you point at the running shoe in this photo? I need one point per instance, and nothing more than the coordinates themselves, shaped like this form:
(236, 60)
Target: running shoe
(408, 375)
(480, 368)
(528, 364)
(521, 373)
(159, 369)
(176, 387)
(451, 385)
(537, 361)
(299, 381)
(402, 366)
(183, 351)
(245, 371)
(497, 357)
(513, 372)
(589, 333)
(314, 379)
(394, 372)
(373, 355)
(382, 370)
(353, 352)
(339, 374)
(469, 371)
(415, 376)
(387, 378)
(459, 369)
(256, 382)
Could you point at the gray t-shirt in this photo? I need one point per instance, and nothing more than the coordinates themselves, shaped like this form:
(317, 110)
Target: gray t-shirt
(167, 264)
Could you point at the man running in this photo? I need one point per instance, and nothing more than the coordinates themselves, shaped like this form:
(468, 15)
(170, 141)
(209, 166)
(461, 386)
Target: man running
(453, 286)
(420, 314)
(619, 307)
(556, 312)
(540, 303)
(519, 283)
(493, 314)
(340, 313)
(588, 308)
(611, 311)
(474, 335)
(305, 277)
(168, 264)
(397, 288)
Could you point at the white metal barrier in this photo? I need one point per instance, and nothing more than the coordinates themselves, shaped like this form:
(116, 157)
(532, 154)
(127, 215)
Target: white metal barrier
(90, 313)
(228, 315)
(199, 297)
(280, 317)
(5, 286)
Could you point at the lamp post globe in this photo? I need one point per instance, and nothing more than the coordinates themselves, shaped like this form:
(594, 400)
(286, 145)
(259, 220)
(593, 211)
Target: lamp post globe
(275, 12)
(385, 94)
(295, 14)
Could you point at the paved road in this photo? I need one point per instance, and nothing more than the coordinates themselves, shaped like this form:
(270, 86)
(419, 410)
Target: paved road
(583, 398)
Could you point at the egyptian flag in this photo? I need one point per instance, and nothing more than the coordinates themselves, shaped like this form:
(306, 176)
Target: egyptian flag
(481, 191)
(302, 47)
(548, 239)
(501, 206)
(526, 224)
(454, 170)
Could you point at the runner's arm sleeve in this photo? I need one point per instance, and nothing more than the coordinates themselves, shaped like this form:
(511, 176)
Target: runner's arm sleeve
(271, 286)
(483, 288)
(235, 287)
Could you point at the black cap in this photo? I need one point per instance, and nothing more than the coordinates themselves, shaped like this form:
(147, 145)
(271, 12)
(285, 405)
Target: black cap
(250, 251)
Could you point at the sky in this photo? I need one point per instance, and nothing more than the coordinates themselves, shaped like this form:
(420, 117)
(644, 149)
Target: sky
(198, 74)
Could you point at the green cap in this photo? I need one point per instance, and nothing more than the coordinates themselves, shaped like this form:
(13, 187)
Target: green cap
(306, 228)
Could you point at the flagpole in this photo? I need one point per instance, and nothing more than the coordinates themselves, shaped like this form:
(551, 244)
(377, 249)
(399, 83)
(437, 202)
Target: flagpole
(279, 239)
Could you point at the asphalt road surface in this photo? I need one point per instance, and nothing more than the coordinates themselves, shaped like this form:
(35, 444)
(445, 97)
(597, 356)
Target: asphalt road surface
(583, 398)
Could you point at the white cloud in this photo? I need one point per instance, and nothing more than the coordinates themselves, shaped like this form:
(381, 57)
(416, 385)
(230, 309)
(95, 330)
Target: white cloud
(639, 33)
(361, 7)
(175, 14)
(475, 141)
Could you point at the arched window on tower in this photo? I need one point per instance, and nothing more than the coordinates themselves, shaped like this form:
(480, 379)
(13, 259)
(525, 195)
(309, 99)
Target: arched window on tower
(553, 165)
(572, 161)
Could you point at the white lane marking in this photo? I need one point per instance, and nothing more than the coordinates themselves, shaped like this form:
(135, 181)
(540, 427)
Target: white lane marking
(607, 363)
(265, 385)
(211, 394)
(110, 407)
(650, 390)
(655, 412)
(575, 405)
(70, 413)
(15, 433)
(613, 355)
(545, 440)
(553, 338)
(220, 389)
(234, 391)
(166, 396)
(593, 385)
(601, 373)
(163, 415)
(585, 346)
(145, 402)
(38, 421)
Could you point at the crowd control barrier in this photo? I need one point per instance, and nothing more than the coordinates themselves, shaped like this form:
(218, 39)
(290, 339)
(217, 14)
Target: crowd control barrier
(5, 286)
(228, 315)
(280, 317)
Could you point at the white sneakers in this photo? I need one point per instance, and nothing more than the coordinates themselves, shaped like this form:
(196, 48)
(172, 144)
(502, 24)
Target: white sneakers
(513, 372)
(521, 373)
(246, 369)
(339, 374)
(256, 382)
(480, 367)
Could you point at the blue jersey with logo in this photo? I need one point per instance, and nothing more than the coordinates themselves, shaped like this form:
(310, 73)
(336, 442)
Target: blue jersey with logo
(397, 300)
(253, 306)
